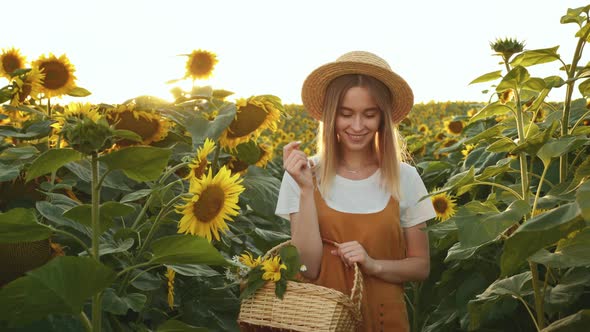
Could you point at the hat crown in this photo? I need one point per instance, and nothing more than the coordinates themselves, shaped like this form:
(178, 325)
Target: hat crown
(364, 57)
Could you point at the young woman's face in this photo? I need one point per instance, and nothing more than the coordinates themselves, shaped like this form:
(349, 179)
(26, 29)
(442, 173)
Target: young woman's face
(357, 119)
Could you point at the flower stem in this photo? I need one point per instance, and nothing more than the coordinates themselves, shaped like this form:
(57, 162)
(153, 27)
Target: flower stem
(529, 311)
(540, 321)
(214, 164)
(85, 321)
(95, 220)
(563, 164)
(77, 239)
(508, 189)
(539, 188)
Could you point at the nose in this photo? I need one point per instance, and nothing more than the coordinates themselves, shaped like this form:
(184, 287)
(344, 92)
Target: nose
(357, 123)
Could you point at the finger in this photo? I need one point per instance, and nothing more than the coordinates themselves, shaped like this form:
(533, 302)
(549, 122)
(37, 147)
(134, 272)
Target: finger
(294, 156)
(290, 147)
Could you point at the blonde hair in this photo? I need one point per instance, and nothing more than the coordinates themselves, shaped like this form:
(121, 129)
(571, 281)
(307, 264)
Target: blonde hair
(388, 144)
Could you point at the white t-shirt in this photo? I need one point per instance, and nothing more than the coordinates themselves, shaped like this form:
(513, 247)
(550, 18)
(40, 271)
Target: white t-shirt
(368, 197)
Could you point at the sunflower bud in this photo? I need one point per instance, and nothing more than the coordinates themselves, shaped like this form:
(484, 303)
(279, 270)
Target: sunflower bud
(507, 47)
(88, 136)
(506, 96)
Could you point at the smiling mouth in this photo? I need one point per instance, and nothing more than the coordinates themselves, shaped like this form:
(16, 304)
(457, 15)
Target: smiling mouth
(356, 137)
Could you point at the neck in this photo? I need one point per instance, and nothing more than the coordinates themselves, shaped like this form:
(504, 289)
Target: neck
(355, 163)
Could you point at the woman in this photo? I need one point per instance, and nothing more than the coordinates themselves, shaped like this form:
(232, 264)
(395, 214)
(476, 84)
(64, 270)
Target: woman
(356, 201)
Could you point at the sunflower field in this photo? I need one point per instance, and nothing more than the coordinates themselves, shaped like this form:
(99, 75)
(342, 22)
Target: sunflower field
(150, 215)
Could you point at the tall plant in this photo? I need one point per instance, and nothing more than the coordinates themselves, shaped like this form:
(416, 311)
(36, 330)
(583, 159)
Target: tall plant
(520, 234)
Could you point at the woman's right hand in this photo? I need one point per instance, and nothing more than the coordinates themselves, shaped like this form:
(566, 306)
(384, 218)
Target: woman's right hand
(296, 163)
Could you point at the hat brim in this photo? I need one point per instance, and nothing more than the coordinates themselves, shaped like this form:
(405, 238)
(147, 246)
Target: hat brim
(314, 86)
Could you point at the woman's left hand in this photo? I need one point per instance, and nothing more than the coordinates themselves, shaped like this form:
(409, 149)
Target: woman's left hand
(353, 252)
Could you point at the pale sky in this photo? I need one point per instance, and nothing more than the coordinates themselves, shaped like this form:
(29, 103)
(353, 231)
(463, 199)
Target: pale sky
(126, 48)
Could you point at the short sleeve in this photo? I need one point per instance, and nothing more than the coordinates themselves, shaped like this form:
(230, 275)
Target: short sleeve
(288, 201)
(412, 210)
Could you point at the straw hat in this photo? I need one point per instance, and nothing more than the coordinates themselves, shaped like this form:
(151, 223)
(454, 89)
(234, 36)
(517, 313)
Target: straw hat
(356, 62)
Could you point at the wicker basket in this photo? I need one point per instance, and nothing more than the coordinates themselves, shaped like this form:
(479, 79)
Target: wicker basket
(304, 307)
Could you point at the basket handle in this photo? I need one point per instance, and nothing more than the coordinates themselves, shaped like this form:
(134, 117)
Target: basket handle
(356, 293)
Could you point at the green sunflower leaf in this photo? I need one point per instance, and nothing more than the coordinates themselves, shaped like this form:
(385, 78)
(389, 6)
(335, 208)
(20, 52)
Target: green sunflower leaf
(54, 288)
(140, 163)
(185, 249)
(19, 225)
(50, 161)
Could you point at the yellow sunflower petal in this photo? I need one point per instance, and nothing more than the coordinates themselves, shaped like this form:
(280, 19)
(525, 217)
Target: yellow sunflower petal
(200, 64)
(214, 202)
(444, 206)
(27, 85)
(253, 116)
(11, 60)
(59, 74)
(151, 126)
(199, 164)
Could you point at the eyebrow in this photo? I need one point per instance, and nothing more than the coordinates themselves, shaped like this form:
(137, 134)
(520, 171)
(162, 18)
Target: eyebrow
(372, 109)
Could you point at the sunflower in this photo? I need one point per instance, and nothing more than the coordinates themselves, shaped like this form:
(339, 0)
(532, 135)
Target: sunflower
(454, 127)
(506, 96)
(467, 150)
(424, 129)
(444, 206)
(59, 74)
(170, 274)
(272, 269)
(198, 165)
(449, 142)
(249, 261)
(253, 115)
(266, 155)
(27, 85)
(200, 64)
(440, 137)
(82, 127)
(149, 125)
(471, 112)
(75, 110)
(214, 200)
(11, 60)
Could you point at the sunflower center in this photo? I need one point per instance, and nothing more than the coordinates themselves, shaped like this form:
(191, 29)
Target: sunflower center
(200, 170)
(11, 63)
(449, 143)
(202, 64)
(209, 204)
(456, 127)
(247, 121)
(143, 127)
(238, 165)
(24, 92)
(440, 205)
(56, 75)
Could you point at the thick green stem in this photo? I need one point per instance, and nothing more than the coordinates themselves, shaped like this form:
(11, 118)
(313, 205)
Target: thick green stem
(77, 239)
(95, 220)
(579, 121)
(521, 138)
(216, 159)
(492, 184)
(540, 321)
(163, 212)
(537, 194)
(529, 311)
(143, 211)
(565, 118)
(85, 322)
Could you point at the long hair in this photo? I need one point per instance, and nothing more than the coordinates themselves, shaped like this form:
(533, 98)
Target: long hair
(388, 144)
